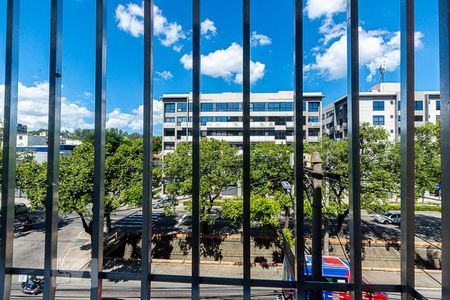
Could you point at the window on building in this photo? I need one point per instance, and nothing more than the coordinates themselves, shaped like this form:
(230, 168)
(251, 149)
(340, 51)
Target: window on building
(169, 107)
(181, 107)
(378, 105)
(313, 119)
(274, 106)
(180, 120)
(258, 106)
(221, 107)
(418, 105)
(438, 104)
(206, 107)
(204, 120)
(259, 119)
(313, 131)
(234, 106)
(169, 120)
(398, 105)
(418, 118)
(169, 146)
(378, 120)
(313, 107)
(169, 132)
(285, 106)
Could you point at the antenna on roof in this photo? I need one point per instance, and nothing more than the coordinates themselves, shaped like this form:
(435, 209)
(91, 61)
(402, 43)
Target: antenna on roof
(382, 70)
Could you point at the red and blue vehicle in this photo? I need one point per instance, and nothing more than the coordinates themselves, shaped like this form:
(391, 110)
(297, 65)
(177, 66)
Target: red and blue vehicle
(334, 269)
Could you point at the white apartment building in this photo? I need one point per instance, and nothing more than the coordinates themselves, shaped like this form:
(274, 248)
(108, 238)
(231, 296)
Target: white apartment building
(271, 117)
(381, 107)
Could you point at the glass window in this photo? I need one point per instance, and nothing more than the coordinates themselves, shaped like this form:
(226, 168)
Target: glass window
(285, 106)
(378, 120)
(378, 105)
(169, 120)
(221, 119)
(274, 106)
(206, 107)
(181, 107)
(204, 120)
(438, 104)
(418, 118)
(181, 120)
(313, 131)
(258, 106)
(313, 119)
(221, 107)
(398, 105)
(234, 106)
(313, 107)
(418, 105)
(169, 107)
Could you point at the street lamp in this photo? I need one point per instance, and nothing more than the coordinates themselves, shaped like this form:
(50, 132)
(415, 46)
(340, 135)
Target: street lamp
(288, 187)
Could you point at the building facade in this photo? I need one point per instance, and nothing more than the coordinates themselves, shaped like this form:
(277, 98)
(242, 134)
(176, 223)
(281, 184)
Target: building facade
(380, 107)
(271, 117)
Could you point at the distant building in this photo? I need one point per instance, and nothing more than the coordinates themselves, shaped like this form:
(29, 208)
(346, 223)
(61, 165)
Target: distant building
(271, 117)
(40, 153)
(380, 107)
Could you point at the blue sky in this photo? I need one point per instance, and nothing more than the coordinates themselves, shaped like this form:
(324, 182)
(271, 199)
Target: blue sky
(271, 52)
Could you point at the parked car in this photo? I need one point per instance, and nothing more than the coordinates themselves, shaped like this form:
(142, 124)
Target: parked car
(164, 200)
(20, 209)
(388, 218)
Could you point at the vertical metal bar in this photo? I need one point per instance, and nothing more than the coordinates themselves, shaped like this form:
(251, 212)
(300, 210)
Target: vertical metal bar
(316, 248)
(195, 149)
(54, 131)
(407, 146)
(9, 146)
(99, 154)
(354, 148)
(298, 151)
(246, 146)
(444, 52)
(148, 151)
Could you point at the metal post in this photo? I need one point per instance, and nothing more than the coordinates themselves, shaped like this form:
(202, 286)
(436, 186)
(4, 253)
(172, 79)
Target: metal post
(99, 154)
(9, 146)
(54, 131)
(298, 151)
(407, 146)
(354, 148)
(148, 151)
(444, 45)
(196, 150)
(316, 249)
(246, 147)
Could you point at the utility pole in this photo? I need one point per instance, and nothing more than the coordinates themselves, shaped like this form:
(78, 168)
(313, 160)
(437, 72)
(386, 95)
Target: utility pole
(316, 249)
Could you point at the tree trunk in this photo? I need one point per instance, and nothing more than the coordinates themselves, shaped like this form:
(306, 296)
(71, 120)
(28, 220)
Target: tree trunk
(87, 227)
(108, 221)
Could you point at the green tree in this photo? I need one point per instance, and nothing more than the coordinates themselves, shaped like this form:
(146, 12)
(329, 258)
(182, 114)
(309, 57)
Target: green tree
(219, 167)
(123, 180)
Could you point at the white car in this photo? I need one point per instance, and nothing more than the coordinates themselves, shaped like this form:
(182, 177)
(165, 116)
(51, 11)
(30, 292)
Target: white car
(388, 218)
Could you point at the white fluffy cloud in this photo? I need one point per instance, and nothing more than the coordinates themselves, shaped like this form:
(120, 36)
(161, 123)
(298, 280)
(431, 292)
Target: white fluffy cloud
(259, 39)
(375, 47)
(208, 29)
(226, 64)
(33, 111)
(318, 8)
(166, 75)
(130, 18)
(33, 108)
(134, 120)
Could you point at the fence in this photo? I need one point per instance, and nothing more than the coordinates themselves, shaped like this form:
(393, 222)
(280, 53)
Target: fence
(96, 275)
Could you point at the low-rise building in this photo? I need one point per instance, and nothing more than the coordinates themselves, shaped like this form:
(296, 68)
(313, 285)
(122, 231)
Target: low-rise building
(380, 106)
(271, 117)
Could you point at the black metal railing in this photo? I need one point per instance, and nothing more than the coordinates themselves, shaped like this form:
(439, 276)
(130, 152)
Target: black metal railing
(356, 285)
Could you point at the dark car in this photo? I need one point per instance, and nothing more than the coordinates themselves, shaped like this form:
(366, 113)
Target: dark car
(20, 209)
